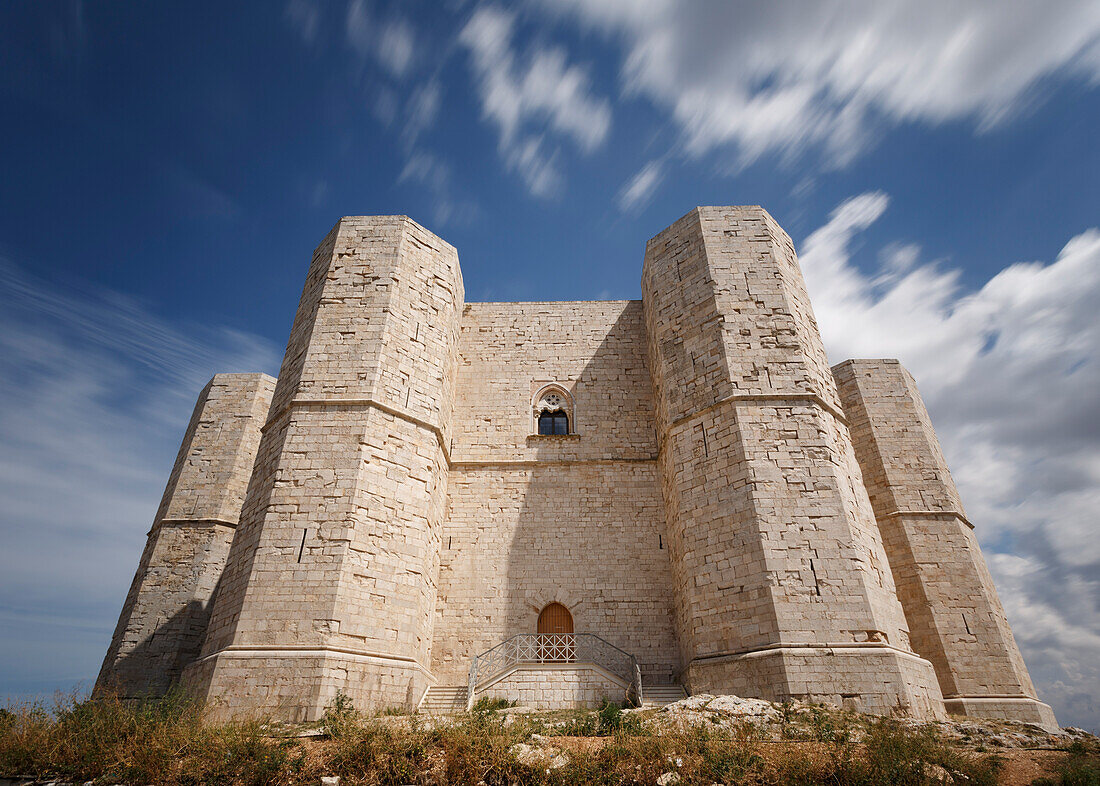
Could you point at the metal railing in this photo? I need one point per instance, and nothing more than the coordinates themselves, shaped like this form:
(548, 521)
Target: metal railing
(555, 648)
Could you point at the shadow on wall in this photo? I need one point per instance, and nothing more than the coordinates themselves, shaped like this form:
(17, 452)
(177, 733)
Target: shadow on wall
(156, 663)
(589, 529)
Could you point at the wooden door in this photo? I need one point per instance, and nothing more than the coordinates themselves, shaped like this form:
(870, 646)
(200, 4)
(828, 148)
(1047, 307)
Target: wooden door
(555, 618)
(555, 633)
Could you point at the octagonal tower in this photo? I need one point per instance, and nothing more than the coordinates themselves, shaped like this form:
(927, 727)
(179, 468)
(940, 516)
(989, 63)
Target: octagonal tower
(783, 589)
(331, 580)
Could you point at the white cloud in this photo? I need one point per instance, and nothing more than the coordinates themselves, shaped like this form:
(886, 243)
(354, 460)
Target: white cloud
(538, 168)
(781, 77)
(434, 174)
(359, 27)
(639, 190)
(532, 99)
(68, 31)
(391, 43)
(1009, 373)
(426, 167)
(396, 47)
(94, 398)
(420, 112)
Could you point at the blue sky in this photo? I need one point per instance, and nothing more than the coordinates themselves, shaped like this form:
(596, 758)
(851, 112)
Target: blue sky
(167, 170)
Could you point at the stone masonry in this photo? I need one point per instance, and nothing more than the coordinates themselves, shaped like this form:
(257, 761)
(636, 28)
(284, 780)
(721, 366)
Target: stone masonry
(955, 617)
(165, 615)
(776, 557)
(332, 578)
(724, 506)
(547, 686)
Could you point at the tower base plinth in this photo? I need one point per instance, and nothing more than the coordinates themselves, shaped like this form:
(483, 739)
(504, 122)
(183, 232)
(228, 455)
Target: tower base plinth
(878, 680)
(297, 684)
(1012, 708)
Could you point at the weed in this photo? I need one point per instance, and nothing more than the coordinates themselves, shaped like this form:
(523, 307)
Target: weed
(583, 724)
(339, 715)
(491, 704)
(1082, 768)
(162, 741)
(610, 716)
(897, 754)
(167, 743)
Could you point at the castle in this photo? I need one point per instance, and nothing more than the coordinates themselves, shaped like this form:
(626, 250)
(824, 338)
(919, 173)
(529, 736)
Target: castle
(563, 501)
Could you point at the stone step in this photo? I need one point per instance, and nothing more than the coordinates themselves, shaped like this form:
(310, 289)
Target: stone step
(444, 699)
(660, 695)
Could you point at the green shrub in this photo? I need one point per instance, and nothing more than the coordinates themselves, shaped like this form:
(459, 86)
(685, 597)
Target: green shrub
(610, 716)
(581, 724)
(897, 754)
(491, 704)
(339, 714)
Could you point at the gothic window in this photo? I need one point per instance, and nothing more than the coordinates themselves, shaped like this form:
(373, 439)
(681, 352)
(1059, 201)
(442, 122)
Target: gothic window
(556, 422)
(553, 413)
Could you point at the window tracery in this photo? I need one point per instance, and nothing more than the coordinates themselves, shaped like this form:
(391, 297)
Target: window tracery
(553, 412)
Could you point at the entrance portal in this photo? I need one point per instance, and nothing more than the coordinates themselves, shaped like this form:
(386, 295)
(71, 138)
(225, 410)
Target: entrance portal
(555, 634)
(555, 618)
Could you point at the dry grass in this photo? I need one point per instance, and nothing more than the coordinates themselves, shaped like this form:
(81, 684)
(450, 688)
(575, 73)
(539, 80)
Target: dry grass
(167, 742)
(1081, 768)
(163, 742)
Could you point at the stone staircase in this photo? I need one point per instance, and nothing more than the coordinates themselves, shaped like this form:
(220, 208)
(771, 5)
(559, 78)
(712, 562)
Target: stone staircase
(660, 695)
(450, 699)
(444, 700)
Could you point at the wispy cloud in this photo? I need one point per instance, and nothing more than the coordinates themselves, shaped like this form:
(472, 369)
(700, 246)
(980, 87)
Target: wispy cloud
(1010, 374)
(396, 100)
(427, 168)
(434, 174)
(637, 192)
(533, 100)
(305, 18)
(784, 77)
(421, 111)
(390, 42)
(94, 397)
(396, 46)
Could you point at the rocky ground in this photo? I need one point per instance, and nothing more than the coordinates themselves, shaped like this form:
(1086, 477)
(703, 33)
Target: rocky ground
(807, 721)
(700, 740)
(1026, 753)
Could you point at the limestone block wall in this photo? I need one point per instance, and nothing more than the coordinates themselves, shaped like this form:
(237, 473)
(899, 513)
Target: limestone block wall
(708, 511)
(164, 617)
(333, 572)
(955, 617)
(551, 686)
(532, 520)
(775, 551)
(595, 349)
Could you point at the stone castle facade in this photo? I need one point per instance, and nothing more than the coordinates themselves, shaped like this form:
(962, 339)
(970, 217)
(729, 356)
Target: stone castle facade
(462, 499)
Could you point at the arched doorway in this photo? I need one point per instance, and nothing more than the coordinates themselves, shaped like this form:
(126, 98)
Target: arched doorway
(555, 629)
(555, 618)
